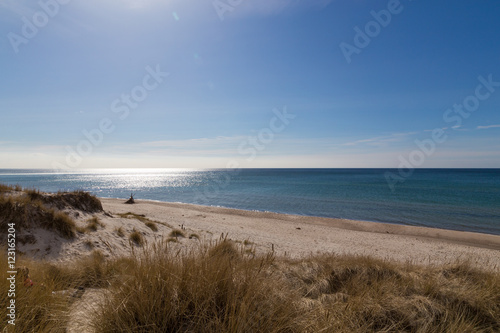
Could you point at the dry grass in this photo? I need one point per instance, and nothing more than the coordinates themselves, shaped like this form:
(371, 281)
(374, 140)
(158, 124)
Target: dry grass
(28, 213)
(80, 200)
(141, 218)
(120, 232)
(246, 242)
(360, 294)
(218, 288)
(177, 233)
(37, 310)
(30, 208)
(94, 223)
(40, 310)
(10, 188)
(136, 238)
(203, 291)
(152, 226)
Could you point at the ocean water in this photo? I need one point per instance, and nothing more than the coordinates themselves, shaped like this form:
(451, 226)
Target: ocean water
(458, 199)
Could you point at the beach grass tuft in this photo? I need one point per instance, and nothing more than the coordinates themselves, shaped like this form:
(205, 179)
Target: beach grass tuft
(120, 232)
(177, 233)
(137, 238)
(152, 226)
(94, 223)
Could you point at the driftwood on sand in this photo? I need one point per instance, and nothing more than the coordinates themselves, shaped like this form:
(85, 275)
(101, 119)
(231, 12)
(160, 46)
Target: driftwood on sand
(131, 199)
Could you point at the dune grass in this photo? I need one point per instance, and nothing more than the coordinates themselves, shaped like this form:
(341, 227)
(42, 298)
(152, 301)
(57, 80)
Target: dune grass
(218, 288)
(120, 232)
(137, 238)
(94, 223)
(9, 188)
(40, 310)
(194, 236)
(26, 213)
(177, 233)
(152, 226)
(28, 208)
(143, 219)
(78, 199)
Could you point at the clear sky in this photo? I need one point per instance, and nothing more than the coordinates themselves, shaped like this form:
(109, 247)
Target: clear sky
(259, 83)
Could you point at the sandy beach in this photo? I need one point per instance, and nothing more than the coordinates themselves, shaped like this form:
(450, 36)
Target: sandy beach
(290, 235)
(111, 231)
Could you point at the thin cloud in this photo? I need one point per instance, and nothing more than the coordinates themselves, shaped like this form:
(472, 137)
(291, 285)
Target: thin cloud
(195, 143)
(489, 126)
(382, 140)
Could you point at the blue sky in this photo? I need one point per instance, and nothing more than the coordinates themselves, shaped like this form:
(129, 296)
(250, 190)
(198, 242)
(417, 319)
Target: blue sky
(235, 68)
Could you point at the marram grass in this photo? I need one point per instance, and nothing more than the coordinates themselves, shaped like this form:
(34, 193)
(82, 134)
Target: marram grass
(219, 288)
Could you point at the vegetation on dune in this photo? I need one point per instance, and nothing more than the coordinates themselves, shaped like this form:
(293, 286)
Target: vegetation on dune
(226, 287)
(27, 213)
(8, 188)
(80, 200)
(218, 288)
(29, 208)
(143, 219)
(152, 226)
(43, 307)
(120, 232)
(136, 238)
(177, 233)
(93, 224)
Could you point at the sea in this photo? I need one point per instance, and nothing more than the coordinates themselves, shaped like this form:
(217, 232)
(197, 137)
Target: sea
(456, 199)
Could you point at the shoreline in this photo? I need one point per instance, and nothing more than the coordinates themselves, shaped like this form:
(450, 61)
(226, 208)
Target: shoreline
(477, 239)
(322, 217)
